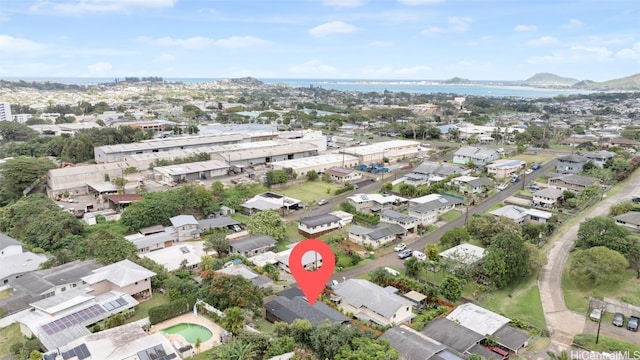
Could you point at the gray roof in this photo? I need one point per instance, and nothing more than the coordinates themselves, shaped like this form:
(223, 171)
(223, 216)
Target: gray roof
(322, 219)
(381, 231)
(31, 286)
(512, 339)
(452, 334)
(182, 220)
(20, 263)
(252, 243)
(289, 308)
(6, 241)
(434, 168)
(398, 216)
(218, 222)
(476, 152)
(242, 270)
(151, 229)
(573, 158)
(632, 217)
(481, 181)
(411, 344)
(443, 202)
(154, 239)
(575, 179)
(511, 212)
(358, 293)
(600, 155)
(478, 319)
(552, 193)
(484, 352)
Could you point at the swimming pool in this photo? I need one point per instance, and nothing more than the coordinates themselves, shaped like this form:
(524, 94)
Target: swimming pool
(189, 331)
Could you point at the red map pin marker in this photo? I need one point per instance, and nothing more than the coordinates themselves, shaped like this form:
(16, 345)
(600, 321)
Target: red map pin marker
(312, 282)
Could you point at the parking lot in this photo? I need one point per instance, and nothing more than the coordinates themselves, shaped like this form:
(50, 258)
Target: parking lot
(606, 327)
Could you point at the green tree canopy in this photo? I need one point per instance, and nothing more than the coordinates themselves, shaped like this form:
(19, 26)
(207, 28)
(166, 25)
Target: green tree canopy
(506, 260)
(18, 174)
(364, 348)
(601, 231)
(598, 265)
(486, 227)
(15, 131)
(455, 237)
(451, 288)
(233, 319)
(267, 222)
(225, 291)
(216, 240)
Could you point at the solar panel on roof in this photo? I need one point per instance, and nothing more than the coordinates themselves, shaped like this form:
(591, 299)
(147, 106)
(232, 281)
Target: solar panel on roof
(122, 301)
(83, 352)
(108, 306)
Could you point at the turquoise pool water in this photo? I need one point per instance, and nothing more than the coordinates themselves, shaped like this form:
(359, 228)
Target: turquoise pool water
(189, 331)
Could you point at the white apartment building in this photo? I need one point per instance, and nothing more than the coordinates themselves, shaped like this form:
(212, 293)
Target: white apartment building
(5, 112)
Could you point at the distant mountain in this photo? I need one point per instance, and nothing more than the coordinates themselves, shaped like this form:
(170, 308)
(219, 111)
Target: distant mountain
(246, 81)
(626, 83)
(457, 80)
(549, 79)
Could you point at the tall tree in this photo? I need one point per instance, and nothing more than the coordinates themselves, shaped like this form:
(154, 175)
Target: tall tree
(451, 288)
(18, 174)
(601, 231)
(506, 260)
(233, 319)
(15, 131)
(267, 222)
(217, 241)
(598, 265)
(225, 291)
(455, 237)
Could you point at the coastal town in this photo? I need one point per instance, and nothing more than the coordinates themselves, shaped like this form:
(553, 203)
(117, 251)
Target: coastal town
(154, 220)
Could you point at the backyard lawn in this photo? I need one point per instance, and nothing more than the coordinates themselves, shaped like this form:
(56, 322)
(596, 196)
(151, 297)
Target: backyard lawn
(142, 311)
(309, 191)
(606, 344)
(521, 302)
(450, 215)
(9, 336)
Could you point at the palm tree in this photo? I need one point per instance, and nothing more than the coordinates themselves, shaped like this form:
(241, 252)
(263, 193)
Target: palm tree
(198, 344)
(233, 319)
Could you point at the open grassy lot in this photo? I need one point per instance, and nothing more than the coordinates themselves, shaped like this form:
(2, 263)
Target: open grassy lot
(532, 159)
(577, 297)
(9, 336)
(310, 191)
(142, 311)
(450, 215)
(521, 302)
(606, 344)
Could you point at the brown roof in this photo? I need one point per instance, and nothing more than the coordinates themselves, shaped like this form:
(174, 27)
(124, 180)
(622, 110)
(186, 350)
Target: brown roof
(124, 198)
(624, 141)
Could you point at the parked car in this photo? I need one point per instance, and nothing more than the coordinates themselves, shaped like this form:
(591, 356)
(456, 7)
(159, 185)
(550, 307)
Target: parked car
(236, 228)
(515, 179)
(332, 284)
(406, 253)
(633, 323)
(419, 255)
(502, 186)
(534, 187)
(535, 167)
(618, 319)
(400, 247)
(596, 314)
(500, 351)
(392, 272)
(322, 202)
(528, 171)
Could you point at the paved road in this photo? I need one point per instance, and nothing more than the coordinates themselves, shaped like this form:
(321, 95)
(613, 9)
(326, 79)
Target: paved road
(563, 323)
(392, 259)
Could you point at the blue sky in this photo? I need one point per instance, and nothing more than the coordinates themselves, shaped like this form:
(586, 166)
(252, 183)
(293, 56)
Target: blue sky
(332, 39)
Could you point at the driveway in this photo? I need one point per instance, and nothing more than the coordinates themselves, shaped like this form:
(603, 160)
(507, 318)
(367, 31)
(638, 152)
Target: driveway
(563, 323)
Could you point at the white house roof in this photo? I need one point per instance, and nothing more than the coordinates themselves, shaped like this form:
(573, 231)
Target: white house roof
(172, 256)
(378, 198)
(182, 220)
(122, 273)
(308, 258)
(478, 319)
(20, 263)
(511, 212)
(464, 253)
(362, 293)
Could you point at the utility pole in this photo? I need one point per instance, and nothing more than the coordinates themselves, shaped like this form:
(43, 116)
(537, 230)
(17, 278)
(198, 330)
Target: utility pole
(599, 323)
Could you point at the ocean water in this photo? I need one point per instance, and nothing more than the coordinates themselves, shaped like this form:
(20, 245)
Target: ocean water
(416, 87)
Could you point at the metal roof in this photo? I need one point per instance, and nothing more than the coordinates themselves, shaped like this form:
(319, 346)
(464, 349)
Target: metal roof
(511, 338)
(252, 243)
(218, 222)
(412, 344)
(122, 273)
(322, 219)
(478, 319)
(6, 241)
(452, 334)
(182, 220)
(362, 293)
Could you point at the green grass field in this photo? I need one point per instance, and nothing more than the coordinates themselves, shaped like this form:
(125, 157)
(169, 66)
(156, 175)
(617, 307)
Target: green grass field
(142, 311)
(310, 191)
(450, 215)
(606, 344)
(577, 297)
(521, 302)
(9, 336)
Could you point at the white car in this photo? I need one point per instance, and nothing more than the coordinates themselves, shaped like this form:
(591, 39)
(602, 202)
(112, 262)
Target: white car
(419, 255)
(322, 202)
(400, 247)
(528, 171)
(502, 186)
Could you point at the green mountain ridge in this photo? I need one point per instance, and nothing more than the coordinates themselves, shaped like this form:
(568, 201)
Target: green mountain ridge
(458, 80)
(550, 79)
(626, 83)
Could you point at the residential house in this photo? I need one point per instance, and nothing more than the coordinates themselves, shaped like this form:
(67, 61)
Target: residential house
(345, 217)
(16, 261)
(376, 236)
(290, 305)
(623, 143)
(630, 220)
(577, 141)
(464, 254)
(408, 222)
(600, 158)
(343, 175)
(269, 201)
(370, 302)
(427, 208)
(571, 182)
(476, 155)
(471, 184)
(153, 241)
(455, 336)
(258, 280)
(128, 341)
(413, 345)
(220, 222)
(548, 197)
(571, 164)
(429, 172)
(252, 245)
(505, 168)
(186, 227)
(124, 276)
(375, 202)
(318, 225)
(311, 260)
(521, 215)
(173, 258)
(483, 321)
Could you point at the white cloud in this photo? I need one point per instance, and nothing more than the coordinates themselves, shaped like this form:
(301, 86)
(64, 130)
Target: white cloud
(431, 30)
(85, 6)
(412, 70)
(381, 43)
(419, 2)
(18, 46)
(343, 3)
(543, 41)
(241, 41)
(102, 52)
(593, 52)
(630, 52)
(573, 24)
(460, 24)
(574, 54)
(99, 68)
(331, 28)
(193, 43)
(525, 28)
(312, 67)
(164, 58)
